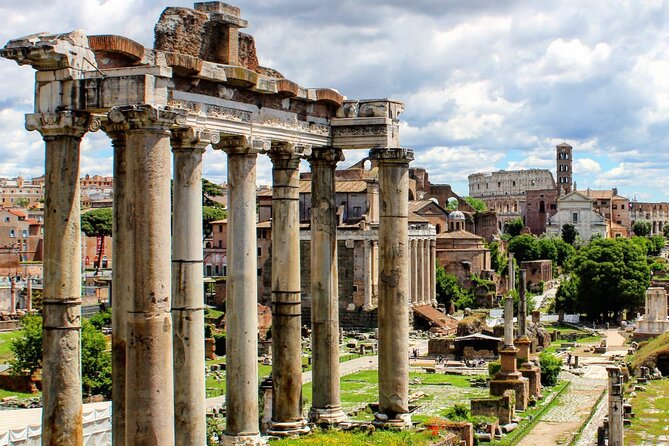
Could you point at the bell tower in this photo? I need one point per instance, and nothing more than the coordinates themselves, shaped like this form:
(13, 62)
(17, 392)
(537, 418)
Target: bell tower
(564, 165)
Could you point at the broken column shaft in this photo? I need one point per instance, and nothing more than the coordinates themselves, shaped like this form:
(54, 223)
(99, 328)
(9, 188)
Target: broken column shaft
(616, 413)
(287, 416)
(61, 376)
(190, 425)
(326, 404)
(393, 285)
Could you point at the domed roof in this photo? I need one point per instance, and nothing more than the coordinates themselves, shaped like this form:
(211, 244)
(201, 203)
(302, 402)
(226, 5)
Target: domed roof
(456, 215)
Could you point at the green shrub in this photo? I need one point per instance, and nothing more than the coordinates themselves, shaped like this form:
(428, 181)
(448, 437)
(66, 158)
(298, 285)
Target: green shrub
(494, 367)
(459, 412)
(550, 368)
(101, 319)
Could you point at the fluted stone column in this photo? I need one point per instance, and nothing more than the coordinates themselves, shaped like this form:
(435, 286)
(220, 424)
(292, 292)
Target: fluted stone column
(241, 305)
(433, 272)
(512, 273)
(61, 367)
(326, 404)
(375, 272)
(522, 305)
(190, 424)
(421, 271)
(149, 379)
(413, 270)
(367, 253)
(287, 416)
(427, 269)
(29, 295)
(122, 273)
(393, 286)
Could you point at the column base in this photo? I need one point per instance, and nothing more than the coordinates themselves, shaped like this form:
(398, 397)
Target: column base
(367, 307)
(435, 304)
(401, 421)
(242, 440)
(288, 428)
(329, 416)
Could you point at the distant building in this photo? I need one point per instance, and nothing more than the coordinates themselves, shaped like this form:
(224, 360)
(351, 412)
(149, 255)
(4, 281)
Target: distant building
(655, 213)
(21, 193)
(21, 240)
(577, 209)
(614, 208)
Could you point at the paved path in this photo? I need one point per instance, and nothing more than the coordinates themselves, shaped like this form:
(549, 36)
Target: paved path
(575, 404)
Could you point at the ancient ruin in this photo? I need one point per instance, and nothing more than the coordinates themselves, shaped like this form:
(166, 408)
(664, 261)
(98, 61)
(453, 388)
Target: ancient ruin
(655, 320)
(202, 85)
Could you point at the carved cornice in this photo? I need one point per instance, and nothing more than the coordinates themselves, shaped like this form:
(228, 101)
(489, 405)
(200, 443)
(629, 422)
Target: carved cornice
(242, 145)
(193, 137)
(325, 155)
(391, 155)
(147, 117)
(64, 123)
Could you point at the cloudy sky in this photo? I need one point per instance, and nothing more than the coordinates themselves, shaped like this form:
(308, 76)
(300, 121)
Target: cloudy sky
(487, 84)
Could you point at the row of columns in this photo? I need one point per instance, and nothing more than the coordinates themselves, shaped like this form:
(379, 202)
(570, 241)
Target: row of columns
(158, 323)
(423, 255)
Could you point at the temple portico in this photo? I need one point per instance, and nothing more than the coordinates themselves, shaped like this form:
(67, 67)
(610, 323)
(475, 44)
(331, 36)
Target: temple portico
(163, 107)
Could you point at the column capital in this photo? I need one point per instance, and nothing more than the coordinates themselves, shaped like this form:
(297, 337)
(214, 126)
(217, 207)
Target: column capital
(242, 145)
(147, 117)
(325, 155)
(398, 155)
(64, 123)
(193, 137)
(288, 155)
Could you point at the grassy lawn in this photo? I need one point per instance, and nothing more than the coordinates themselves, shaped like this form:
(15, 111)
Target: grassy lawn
(7, 393)
(649, 426)
(5, 341)
(381, 438)
(216, 387)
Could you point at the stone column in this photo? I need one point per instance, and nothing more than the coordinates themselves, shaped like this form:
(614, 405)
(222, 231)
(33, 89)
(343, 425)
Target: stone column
(433, 272)
(242, 292)
(123, 288)
(61, 367)
(29, 295)
(190, 424)
(287, 416)
(512, 273)
(420, 271)
(149, 380)
(367, 252)
(393, 286)
(427, 269)
(413, 270)
(375, 272)
(522, 305)
(616, 432)
(508, 322)
(12, 296)
(326, 405)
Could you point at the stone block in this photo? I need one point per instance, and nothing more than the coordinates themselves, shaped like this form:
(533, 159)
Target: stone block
(517, 383)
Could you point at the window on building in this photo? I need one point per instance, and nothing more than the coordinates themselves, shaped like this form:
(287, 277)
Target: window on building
(24, 233)
(220, 243)
(12, 233)
(499, 184)
(553, 207)
(622, 206)
(220, 228)
(259, 272)
(357, 211)
(259, 251)
(216, 269)
(225, 270)
(574, 217)
(615, 206)
(514, 183)
(6, 218)
(542, 206)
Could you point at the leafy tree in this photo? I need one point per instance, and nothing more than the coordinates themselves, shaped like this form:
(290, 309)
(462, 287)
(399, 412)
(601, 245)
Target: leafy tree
(665, 230)
(210, 190)
(452, 204)
(643, 243)
(497, 259)
(448, 289)
(569, 233)
(97, 223)
(525, 247)
(657, 243)
(21, 202)
(548, 249)
(612, 276)
(514, 227)
(550, 368)
(95, 361)
(564, 251)
(101, 319)
(641, 228)
(566, 296)
(95, 356)
(478, 205)
(27, 348)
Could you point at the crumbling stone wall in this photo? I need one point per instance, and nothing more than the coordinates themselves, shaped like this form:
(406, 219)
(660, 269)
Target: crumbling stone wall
(502, 408)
